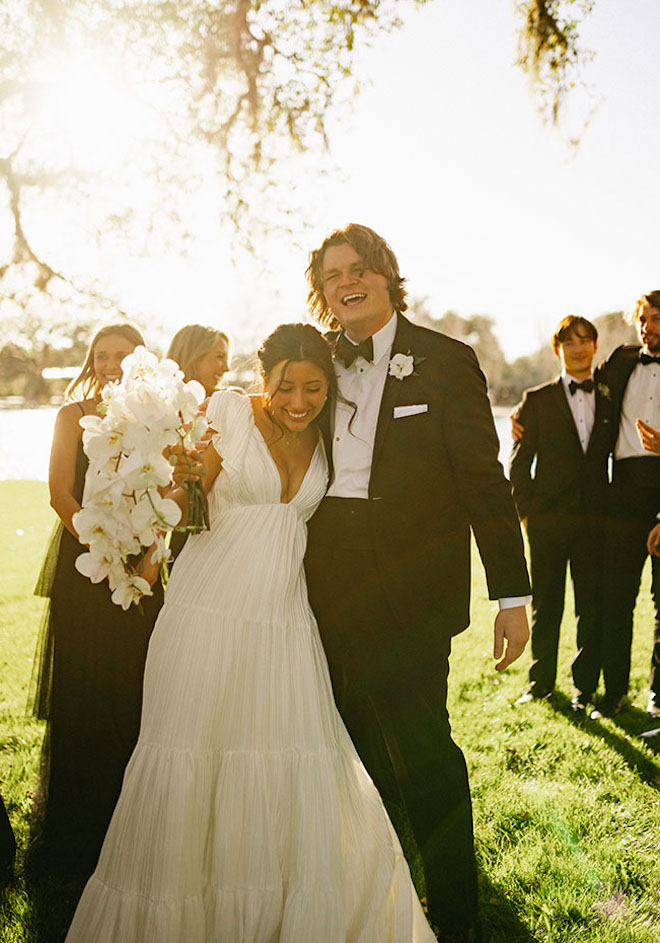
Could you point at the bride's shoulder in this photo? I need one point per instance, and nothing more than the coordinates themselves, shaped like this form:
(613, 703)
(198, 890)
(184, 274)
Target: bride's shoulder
(226, 404)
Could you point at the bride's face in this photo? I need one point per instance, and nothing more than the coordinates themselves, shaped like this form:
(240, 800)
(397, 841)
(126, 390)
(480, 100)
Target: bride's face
(297, 391)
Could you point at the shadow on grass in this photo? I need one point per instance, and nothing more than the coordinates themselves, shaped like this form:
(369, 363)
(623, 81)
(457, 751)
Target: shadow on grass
(500, 922)
(53, 895)
(631, 722)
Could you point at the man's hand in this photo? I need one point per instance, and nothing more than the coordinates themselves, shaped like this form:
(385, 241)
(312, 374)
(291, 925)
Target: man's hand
(517, 431)
(653, 542)
(510, 624)
(649, 436)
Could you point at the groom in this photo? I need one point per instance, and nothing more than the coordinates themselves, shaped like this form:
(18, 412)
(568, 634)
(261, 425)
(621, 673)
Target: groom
(413, 454)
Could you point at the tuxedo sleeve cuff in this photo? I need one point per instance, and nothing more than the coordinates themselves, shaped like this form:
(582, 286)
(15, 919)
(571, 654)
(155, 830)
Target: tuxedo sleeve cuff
(510, 602)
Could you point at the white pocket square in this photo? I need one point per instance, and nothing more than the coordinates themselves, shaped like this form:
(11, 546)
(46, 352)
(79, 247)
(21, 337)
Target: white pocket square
(400, 411)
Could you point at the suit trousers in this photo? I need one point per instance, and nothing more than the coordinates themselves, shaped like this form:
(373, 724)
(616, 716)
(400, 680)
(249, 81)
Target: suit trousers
(558, 538)
(7, 840)
(633, 505)
(392, 697)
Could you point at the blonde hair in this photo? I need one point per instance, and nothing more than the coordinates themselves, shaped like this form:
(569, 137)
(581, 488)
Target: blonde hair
(85, 384)
(190, 344)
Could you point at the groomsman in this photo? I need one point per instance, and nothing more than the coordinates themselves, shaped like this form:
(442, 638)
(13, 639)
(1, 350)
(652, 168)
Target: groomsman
(414, 455)
(559, 476)
(632, 375)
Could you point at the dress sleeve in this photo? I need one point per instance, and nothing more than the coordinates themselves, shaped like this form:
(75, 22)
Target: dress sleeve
(230, 416)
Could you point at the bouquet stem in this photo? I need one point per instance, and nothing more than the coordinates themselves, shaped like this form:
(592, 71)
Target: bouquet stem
(198, 508)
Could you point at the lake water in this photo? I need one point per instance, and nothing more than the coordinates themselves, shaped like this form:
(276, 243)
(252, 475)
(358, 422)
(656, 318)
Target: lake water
(25, 438)
(26, 435)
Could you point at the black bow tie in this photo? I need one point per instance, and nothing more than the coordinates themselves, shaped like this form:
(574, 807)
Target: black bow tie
(587, 386)
(647, 358)
(347, 351)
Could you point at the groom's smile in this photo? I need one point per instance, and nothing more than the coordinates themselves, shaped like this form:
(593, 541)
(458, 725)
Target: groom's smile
(350, 300)
(358, 297)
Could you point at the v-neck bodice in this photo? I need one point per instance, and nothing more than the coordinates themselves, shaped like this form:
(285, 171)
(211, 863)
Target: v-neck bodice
(250, 475)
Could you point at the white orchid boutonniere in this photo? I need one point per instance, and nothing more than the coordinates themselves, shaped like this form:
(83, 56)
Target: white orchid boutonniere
(603, 390)
(403, 365)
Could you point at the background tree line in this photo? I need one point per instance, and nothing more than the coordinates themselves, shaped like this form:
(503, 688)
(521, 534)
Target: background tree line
(222, 94)
(34, 347)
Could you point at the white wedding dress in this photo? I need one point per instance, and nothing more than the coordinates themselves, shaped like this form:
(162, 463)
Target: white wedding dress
(246, 815)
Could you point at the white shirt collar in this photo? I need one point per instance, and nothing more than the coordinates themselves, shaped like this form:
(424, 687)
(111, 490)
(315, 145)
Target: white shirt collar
(383, 338)
(567, 377)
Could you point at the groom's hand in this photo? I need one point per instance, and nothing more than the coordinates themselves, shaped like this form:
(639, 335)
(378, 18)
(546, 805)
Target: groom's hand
(510, 624)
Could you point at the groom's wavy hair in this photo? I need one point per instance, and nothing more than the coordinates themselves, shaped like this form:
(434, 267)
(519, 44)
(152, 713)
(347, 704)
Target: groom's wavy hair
(85, 384)
(376, 255)
(650, 299)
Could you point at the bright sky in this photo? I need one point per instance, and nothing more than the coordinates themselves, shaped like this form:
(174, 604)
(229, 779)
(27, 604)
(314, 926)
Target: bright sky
(488, 211)
(444, 154)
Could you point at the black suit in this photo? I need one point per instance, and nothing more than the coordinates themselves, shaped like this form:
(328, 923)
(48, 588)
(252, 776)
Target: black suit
(389, 582)
(634, 502)
(7, 841)
(564, 504)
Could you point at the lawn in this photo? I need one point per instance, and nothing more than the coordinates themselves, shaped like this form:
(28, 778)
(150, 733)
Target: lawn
(567, 813)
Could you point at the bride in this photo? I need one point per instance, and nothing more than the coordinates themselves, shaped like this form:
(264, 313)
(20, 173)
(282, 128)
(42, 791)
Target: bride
(246, 815)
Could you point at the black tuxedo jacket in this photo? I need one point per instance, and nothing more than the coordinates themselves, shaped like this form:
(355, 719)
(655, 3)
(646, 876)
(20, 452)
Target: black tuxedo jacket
(566, 477)
(615, 373)
(435, 475)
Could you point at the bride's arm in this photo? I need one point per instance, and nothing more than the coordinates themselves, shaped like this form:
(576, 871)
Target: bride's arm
(62, 468)
(196, 466)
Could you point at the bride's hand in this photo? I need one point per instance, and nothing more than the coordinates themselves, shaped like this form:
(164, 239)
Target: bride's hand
(147, 570)
(188, 465)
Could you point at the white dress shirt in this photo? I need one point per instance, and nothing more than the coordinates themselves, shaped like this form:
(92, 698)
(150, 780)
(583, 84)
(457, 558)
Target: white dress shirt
(583, 407)
(641, 400)
(362, 385)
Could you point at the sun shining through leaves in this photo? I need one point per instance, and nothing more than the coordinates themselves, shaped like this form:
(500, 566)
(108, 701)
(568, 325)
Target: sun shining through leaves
(90, 114)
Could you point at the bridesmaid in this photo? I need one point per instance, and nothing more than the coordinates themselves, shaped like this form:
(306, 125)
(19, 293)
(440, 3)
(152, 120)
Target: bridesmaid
(202, 353)
(92, 656)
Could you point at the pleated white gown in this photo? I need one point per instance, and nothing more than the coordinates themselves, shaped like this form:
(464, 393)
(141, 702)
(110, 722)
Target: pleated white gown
(246, 815)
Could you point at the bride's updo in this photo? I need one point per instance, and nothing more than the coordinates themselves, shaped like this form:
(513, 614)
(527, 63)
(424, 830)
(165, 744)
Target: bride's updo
(295, 342)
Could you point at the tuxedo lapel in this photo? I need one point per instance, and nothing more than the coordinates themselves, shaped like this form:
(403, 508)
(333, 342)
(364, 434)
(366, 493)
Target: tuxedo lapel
(403, 344)
(628, 365)
(325, 426)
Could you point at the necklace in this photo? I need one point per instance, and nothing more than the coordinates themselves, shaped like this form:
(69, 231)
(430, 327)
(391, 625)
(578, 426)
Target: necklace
(287, 440)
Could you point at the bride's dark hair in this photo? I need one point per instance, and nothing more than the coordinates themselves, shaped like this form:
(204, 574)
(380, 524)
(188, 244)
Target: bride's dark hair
(294, 342)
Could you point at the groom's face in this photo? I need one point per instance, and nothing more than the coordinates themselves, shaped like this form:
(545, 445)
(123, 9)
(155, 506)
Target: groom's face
(358, 297)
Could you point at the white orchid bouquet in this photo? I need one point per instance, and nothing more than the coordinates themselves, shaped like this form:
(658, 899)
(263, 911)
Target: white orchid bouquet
(123, 513)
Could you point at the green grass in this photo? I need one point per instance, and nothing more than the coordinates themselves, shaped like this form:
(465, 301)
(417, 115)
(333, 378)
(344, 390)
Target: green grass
(567, 812)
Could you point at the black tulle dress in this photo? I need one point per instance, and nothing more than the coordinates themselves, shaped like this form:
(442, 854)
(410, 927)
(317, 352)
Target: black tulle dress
(89, 669)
